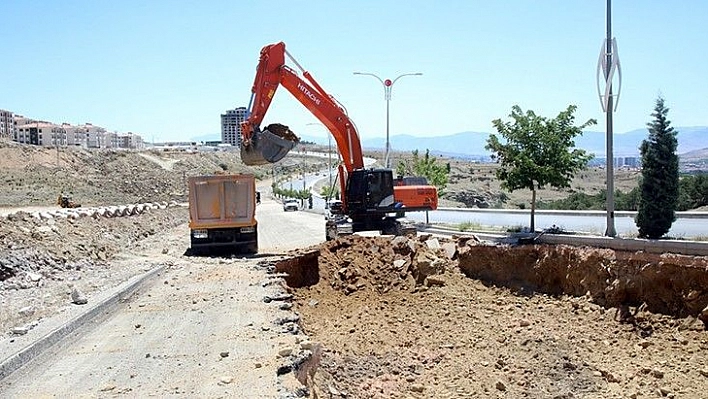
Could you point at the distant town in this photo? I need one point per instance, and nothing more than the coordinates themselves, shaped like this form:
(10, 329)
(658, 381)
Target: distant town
(26, 130)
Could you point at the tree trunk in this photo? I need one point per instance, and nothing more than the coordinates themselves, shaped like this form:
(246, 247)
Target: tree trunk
(533, 210)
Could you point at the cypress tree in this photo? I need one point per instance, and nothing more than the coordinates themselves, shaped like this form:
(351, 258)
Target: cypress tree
(660, 176)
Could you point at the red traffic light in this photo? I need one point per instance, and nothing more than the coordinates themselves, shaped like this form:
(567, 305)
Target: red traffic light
(388, 82)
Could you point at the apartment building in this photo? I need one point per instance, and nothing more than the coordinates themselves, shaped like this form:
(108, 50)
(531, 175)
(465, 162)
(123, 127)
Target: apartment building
(7, 124)
(41, 133)
(231, 126)
(130, 140)
(30, 131)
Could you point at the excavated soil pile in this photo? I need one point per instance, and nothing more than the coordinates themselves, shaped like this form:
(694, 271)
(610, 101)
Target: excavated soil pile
(398, 319)
(670, 284)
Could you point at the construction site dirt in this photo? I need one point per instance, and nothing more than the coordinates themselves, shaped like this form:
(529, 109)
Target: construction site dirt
(434, 318)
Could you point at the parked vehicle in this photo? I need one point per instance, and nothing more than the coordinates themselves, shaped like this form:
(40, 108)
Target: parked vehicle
(222, 213)
(291, 205)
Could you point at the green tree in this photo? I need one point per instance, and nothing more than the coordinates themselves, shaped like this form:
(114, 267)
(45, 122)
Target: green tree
(427, 167)
(660, 176)
(693, 192)
(537, 151)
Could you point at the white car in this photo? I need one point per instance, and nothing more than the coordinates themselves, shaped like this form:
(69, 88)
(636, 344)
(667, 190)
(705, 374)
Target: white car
(291, 205)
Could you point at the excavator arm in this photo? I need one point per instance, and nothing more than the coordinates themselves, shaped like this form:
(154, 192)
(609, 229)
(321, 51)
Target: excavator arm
(273, 143)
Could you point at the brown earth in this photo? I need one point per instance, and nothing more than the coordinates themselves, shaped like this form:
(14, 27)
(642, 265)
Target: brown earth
(402, 319)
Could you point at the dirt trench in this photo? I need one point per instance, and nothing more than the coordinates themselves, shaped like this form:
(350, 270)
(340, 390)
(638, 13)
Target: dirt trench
(424, 317)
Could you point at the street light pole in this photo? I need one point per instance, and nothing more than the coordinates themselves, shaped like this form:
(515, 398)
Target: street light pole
(329, 154)
(608, 64)
(388, 86)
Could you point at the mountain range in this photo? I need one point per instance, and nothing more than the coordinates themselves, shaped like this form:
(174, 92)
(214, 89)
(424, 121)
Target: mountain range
(471, 144)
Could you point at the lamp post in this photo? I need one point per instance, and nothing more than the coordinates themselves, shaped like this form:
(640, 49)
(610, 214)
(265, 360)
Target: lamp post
(329, 152)
(608, 64)
(388, 86)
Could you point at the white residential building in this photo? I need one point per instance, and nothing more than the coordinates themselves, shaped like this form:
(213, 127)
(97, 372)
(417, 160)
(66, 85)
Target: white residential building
(231, 126)
(41, 133)
(7, 124)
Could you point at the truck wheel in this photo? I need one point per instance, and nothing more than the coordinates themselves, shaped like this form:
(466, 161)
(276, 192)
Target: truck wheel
(252, 249)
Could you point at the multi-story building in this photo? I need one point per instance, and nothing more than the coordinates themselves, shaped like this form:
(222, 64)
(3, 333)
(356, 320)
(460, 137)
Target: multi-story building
(30, 131)
(42, 133)
(130, 140)
(231, 126)
(7, 124)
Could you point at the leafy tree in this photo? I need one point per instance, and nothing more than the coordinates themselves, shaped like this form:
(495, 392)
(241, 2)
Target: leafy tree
(660, 176)
(427, 167)
(537, 151)
(693, 192)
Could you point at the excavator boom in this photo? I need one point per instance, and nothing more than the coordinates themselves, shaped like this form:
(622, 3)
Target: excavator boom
(271, 145)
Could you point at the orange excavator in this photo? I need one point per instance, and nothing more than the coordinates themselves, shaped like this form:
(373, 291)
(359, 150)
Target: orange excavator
(372, 199)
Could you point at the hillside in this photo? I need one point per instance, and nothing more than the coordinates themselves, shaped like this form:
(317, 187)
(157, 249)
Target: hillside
(36, 176)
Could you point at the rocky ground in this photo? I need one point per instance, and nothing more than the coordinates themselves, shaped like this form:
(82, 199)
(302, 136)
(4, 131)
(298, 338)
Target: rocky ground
(410, 318)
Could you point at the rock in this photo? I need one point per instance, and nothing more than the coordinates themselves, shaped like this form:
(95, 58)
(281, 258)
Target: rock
(433, 243)
(426, 264)
(224, 354)
(307, 345)
(656, 373)
(417, 388)
(664, 390)
(26, 311)
(258, 365)
(226, 380)
(313, 303)
(500, 385)
(165, 250)
(78, 298)
(285, 352)
(435, 281)
(34, 277)
(399, 263)
(19, 330)
(704, 372)
(703, 316)
(450, 249)
(524, 323)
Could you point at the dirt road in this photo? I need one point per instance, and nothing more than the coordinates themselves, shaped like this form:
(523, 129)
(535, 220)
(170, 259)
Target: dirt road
(201, 329)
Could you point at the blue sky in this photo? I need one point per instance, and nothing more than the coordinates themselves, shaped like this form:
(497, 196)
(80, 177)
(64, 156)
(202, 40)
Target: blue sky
(167, 70)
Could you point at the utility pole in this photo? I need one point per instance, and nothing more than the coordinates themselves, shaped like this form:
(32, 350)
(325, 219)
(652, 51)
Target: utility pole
(608, 62)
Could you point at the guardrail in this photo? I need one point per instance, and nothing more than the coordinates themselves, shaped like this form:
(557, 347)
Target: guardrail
(683, 247)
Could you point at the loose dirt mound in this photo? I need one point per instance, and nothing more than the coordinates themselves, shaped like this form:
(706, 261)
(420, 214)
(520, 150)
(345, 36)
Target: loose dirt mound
(398, 319)
(670, 284)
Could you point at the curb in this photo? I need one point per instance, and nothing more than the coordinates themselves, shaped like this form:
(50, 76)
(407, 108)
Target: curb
(31, 351)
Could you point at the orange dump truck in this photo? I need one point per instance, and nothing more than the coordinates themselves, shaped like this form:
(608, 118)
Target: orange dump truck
(222, 213)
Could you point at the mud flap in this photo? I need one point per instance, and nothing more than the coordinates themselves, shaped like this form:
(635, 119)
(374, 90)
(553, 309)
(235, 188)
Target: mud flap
(267, 147)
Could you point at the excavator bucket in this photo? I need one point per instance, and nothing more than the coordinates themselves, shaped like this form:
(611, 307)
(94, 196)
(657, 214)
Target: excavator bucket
(269, 145)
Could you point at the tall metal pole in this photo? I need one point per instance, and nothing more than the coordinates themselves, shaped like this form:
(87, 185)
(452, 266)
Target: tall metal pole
(610, 232)
(388, 86)
(388, 142)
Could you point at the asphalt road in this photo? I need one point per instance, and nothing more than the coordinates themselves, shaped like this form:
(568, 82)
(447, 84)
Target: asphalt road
(200, 329)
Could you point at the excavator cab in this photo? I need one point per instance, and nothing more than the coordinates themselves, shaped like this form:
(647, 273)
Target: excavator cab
(370, 190)
(269, 145)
